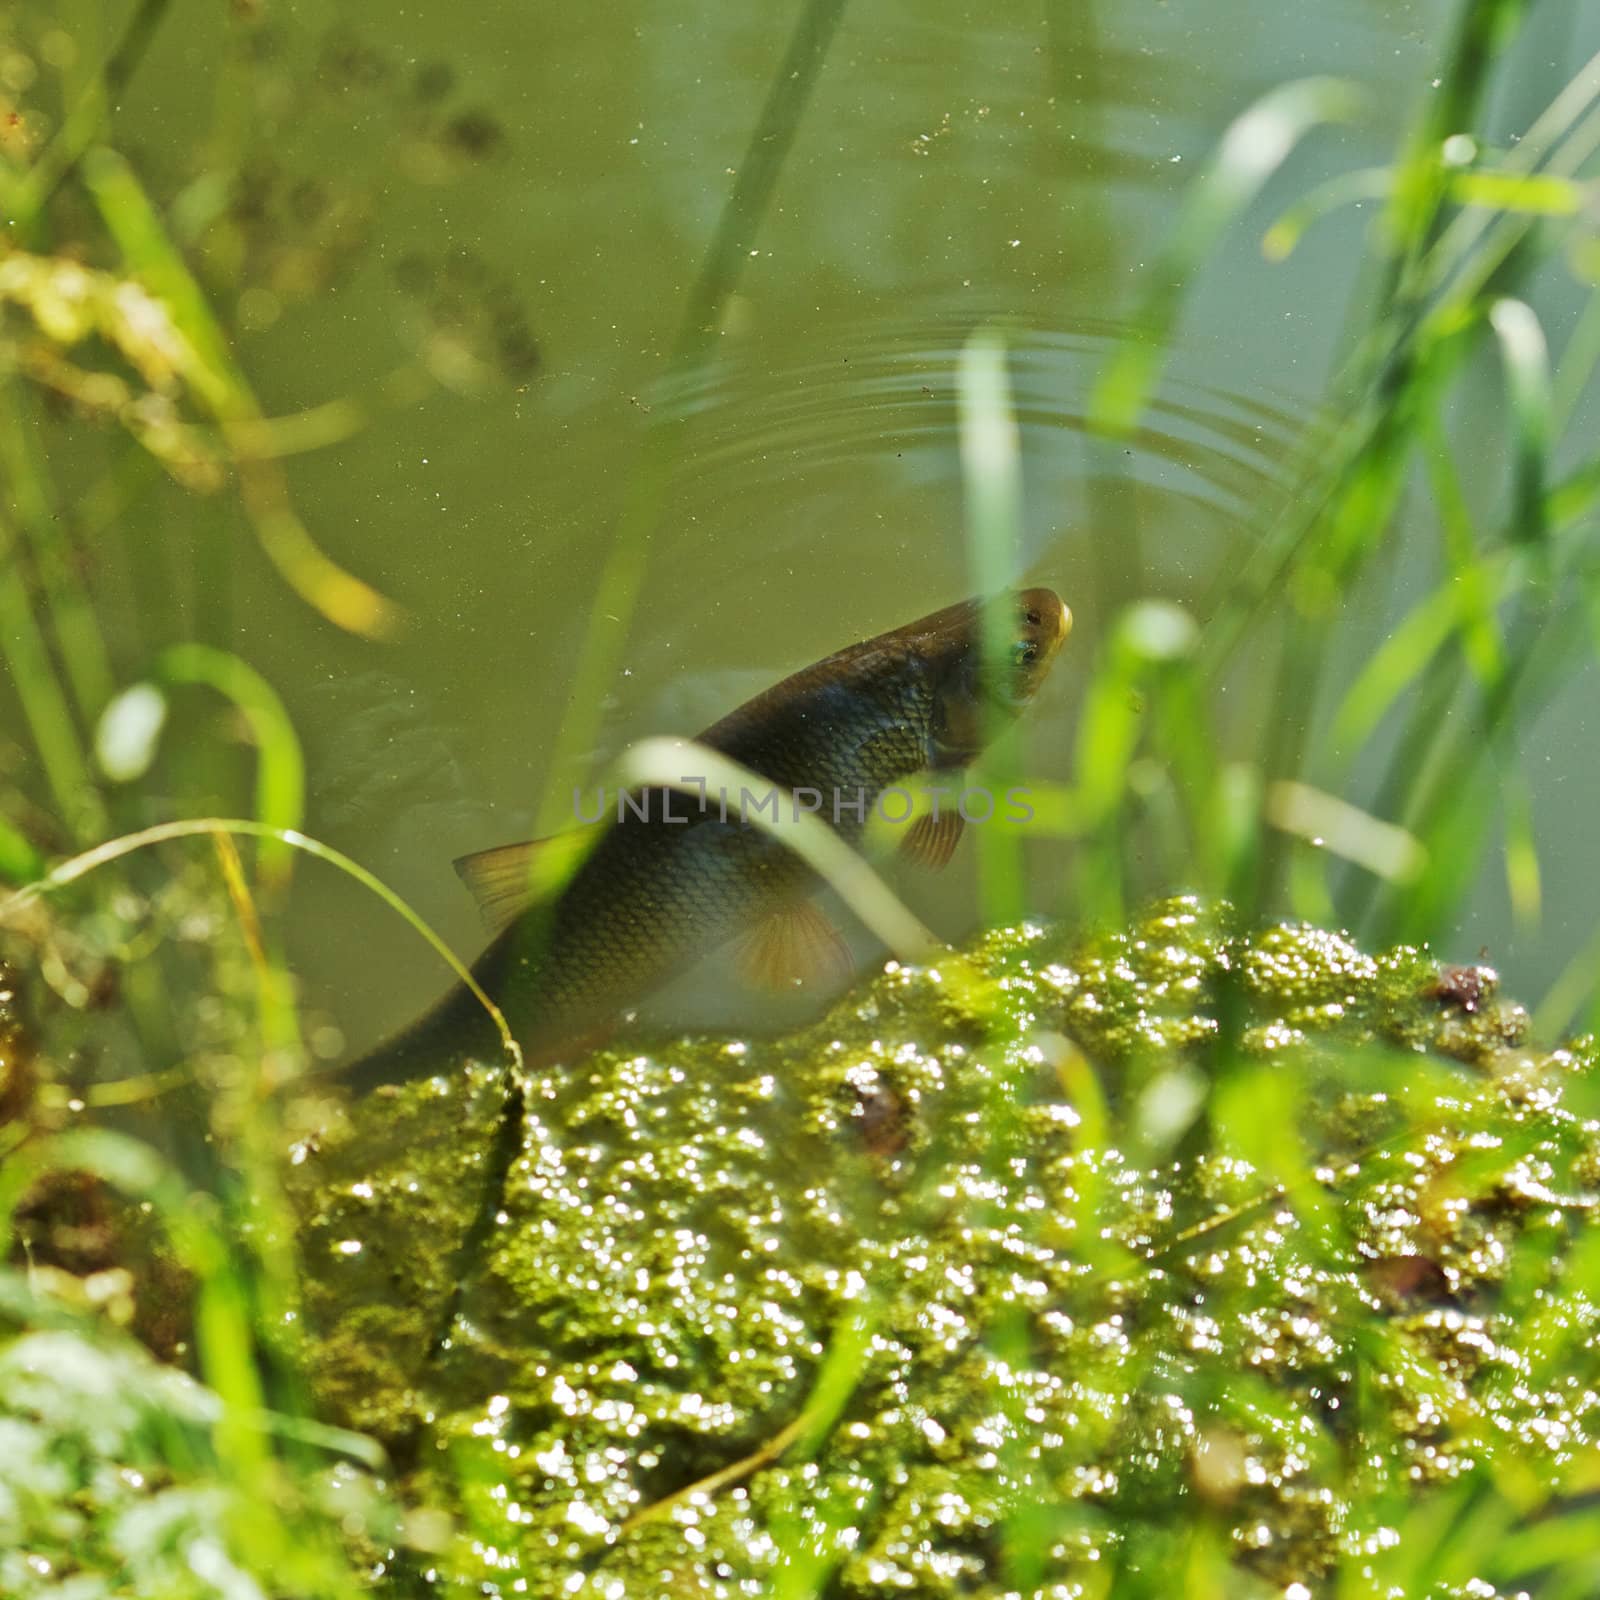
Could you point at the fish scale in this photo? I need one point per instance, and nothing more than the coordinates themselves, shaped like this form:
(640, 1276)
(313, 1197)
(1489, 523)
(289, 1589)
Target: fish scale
(654, 895)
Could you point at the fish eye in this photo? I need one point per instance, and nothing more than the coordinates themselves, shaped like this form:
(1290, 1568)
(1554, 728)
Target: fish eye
(1025, 653)
(1031, 618)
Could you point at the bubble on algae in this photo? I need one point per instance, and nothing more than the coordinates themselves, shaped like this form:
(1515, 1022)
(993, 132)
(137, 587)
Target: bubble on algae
(1074, 1340)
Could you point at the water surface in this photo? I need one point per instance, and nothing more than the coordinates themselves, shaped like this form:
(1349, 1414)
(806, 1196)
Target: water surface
(519, 203)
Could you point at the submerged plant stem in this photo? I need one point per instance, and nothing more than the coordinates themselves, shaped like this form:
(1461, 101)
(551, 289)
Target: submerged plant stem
(193, 827)
(85, 122)
(627, 557)
(85, 658)
(44, 702)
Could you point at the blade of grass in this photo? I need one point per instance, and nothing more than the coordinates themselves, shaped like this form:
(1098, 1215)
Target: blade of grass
(661, 763)
(275, 1011)
(280, 766)
(1185, 740)
(1527, 362)
(1477, 242)
(1453, 807)
(1578, 361)
(1523, 878)
(1413, 342)
(1536, 195)
(44, 702)
(1149, 646)
(1256, 1109)
(1281, 240)
(1414, 215)
(196, 827)
(804, 1562)
(1578, 981)
(19, 860)
(1412, 645)
(1344, 830)
(1574, 498)
(622, 573)
(84, 657)
(1447, 810)
(125, 740)
(224, 1334)
(1255, 145)
(992, 474)
(24, 199)
(1480, 631)
(1411, 658)
(242, 1428)
(247, 1112)
(149, 252)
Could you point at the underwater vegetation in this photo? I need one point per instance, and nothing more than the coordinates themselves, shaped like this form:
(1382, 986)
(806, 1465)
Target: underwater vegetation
(907, 1293)
(1222, 1234)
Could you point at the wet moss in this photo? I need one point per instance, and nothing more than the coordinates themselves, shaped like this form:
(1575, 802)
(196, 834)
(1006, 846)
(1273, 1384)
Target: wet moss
(1078, 1323)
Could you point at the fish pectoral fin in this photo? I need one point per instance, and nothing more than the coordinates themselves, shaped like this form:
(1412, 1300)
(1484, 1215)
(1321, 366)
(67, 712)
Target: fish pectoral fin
(793, 946)
(509, 878)
(931, 840)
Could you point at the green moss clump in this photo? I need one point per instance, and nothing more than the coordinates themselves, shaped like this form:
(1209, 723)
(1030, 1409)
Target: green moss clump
(1182, 1229)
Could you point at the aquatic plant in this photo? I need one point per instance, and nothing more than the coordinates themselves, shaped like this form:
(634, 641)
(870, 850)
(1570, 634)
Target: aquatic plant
(1215, 1246)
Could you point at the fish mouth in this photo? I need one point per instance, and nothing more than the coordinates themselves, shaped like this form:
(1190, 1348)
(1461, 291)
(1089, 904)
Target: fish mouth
(1047, 619)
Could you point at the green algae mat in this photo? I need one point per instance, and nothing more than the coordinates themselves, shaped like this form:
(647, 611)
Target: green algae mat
(1171, 1262)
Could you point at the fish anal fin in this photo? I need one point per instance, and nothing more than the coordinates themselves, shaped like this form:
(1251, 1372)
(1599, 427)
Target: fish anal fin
(508, 878)
(931, 840)
(793, 946)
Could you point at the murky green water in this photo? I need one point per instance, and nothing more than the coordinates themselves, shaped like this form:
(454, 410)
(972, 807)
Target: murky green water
(520, 201)
(946, 1298)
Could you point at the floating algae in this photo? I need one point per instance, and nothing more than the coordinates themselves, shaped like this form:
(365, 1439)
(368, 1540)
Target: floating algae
(1264, 1237)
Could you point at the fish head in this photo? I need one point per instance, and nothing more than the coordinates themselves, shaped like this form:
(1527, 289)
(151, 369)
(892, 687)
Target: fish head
(978, 691)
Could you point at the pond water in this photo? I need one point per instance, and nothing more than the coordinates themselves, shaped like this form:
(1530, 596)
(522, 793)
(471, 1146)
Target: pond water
(620, 349)
(519, 203)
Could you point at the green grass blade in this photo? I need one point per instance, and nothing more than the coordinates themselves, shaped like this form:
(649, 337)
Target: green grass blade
(992, 474)
(126, 738)
(280, 770)
(1528, 388)
(727, 257)
(1578, 362)
(1279, 242)
(1344, 830)
(84, 656)
(1532, 194)
(1148, 657)
(1255, 145)
(1480, 633)
(44, 701)
(19, 860)
(1400, 661)
(1523, 877)
(197, 827)
(149, 252)
(1428, 303)
(25, 198)
(693, 769)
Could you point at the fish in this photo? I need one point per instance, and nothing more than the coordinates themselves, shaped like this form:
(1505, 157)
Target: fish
(674, 875)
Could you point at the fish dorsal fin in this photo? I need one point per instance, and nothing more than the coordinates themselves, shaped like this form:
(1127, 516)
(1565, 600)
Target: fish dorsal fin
(792, 946)
(931, 840)
(508, 878)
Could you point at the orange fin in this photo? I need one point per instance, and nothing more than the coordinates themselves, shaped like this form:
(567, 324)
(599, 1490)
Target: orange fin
(931, 841)
(509, 878)
(796, 945)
